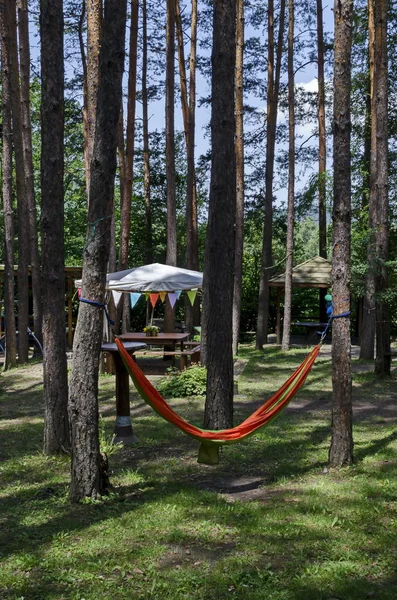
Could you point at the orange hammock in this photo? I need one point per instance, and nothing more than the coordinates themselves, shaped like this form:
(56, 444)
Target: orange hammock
(211, 440)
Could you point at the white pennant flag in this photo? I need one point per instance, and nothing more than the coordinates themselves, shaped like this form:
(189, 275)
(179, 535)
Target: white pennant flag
(116, 297)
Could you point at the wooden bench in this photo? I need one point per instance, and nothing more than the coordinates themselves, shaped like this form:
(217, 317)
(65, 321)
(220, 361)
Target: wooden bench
(311, 329)
(183, 355)
(392, 354)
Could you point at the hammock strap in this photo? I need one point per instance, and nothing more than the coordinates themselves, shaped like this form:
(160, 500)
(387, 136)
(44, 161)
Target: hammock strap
(99, 305)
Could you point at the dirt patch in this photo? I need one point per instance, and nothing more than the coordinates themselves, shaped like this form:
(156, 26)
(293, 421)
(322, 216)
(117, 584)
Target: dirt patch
(178, 555)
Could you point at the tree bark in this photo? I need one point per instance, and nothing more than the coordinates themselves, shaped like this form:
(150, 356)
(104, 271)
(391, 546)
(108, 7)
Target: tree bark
(56, 425)
(219, 259)
(273, 84)
(88, 479)
(322, 153)
(192, 313)
(126, 199)
(94, 32)
(145, 127)
(171, 253)
(285, 344)
(341, 449)
(24, 54)
(367, 328)
(379, 188)
(22, 206)
(9, 296)
(239, 226)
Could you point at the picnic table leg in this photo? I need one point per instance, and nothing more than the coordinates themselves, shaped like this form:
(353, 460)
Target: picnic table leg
(123, 426)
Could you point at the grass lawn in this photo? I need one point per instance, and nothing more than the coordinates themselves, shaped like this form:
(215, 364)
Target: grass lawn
(270, 522)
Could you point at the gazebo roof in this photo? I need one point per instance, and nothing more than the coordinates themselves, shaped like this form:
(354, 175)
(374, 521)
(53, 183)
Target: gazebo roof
(313, 273)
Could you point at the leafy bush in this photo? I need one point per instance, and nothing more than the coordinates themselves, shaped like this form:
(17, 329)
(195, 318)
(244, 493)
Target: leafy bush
(190, 382)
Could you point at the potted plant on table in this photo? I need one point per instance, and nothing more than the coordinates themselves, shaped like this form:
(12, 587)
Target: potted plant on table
(151, 330)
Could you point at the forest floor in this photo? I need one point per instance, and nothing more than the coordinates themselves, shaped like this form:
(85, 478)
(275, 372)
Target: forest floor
(270, 522)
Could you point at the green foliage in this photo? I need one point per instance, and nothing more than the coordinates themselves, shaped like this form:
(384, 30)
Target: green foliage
(106, 442)
(190, 382)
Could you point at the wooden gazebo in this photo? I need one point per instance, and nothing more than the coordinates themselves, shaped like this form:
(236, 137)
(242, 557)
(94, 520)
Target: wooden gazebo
(313, 273)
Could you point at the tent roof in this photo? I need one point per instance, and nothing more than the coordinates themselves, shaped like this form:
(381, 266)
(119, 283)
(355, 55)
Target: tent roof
(313, 273)
(153, 278)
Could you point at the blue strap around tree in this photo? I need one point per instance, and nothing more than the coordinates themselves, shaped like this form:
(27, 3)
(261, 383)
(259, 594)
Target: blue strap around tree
(100, 305)
(331, 317)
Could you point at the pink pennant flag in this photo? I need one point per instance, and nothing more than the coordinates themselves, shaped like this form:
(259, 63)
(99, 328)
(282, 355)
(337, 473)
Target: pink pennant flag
(192, 296)
(163, 296)
(79, 292)
(172, 297)
(153, 299)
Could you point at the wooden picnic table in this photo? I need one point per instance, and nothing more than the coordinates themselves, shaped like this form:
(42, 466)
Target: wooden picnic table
(123, 426)
(161, 339)
(169, 342)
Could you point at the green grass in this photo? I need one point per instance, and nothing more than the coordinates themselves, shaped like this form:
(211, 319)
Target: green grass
(270, 522)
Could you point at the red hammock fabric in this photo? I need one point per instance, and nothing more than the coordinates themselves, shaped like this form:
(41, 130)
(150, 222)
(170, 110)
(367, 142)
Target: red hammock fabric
(260, 417)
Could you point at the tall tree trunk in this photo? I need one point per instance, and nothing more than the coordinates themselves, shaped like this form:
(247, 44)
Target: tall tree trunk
(322, 152)
(291, 183)
(125, 208)
(56, 424)
(379, 188)
(88, 480)
(239, 226)
(273, 84)
(367, 328)
(219, 259)
(24, 53)
(145, 127)
(171, 254)
(94, 32)
(341, 449)
(121, 312)
(192, 313)
(11, 350)
(23, 213)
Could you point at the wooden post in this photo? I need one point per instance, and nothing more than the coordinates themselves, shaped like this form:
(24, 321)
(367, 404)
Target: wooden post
(70, 309)
(278, 317)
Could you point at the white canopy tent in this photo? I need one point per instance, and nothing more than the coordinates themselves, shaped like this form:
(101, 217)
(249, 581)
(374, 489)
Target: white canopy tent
(152, 278)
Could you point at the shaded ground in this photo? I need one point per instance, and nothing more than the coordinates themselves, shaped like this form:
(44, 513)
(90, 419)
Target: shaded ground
(373, 401)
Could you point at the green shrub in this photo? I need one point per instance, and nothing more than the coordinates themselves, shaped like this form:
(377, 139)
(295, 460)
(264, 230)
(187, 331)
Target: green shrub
(190, 382)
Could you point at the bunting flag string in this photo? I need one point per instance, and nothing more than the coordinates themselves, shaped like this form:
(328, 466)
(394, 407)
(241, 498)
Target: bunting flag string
(172, 297)
(153, 299)
(192, 296)
(163, 296)
(116, 297)
(134, 297)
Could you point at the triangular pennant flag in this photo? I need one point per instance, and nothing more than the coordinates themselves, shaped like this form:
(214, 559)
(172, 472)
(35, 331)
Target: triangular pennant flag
(147, 295)
(134, 297)
(192, 296)
(178, 293)
(116, 297)
(79, 292)
(163, 296)
(153, 299)
(172, 297)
